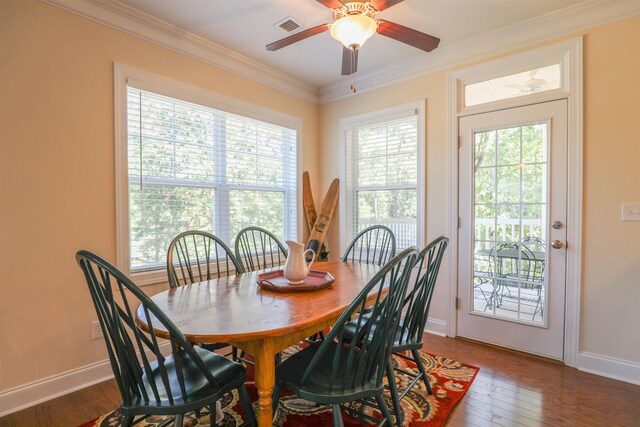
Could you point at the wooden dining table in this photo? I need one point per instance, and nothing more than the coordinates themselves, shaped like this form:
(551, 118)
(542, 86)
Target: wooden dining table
(237, 311)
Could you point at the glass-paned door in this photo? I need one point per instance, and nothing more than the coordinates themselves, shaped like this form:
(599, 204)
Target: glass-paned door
(513, 208)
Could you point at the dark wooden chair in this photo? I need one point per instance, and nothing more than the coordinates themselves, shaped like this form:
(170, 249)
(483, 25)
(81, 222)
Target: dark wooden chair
(338, 370)
(373, 245)
(151, 383)
(408, 339)
(258, 249)
(198, 256)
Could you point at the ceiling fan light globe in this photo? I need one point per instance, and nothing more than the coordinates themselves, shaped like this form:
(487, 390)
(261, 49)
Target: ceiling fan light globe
(353, 30)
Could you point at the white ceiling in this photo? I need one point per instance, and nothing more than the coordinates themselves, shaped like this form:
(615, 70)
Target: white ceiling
(246, 26)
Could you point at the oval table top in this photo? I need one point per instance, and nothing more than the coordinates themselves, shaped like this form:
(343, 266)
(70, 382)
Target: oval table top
(236, 309)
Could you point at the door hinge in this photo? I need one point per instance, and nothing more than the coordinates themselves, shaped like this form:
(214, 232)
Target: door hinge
(459, 221)
(457, 303)
(459, 141)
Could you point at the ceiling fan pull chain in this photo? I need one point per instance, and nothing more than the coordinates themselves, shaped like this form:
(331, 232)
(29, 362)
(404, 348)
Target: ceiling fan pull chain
(353, 63)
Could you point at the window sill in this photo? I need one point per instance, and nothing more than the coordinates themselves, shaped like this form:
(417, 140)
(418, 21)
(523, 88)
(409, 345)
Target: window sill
(149, 277)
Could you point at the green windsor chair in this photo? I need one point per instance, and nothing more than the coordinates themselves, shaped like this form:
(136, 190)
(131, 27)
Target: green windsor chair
(407, 340)
(373, 245)
(197, 256)
(150, 383)
(258, 249)
(336, 371)
(416, 305)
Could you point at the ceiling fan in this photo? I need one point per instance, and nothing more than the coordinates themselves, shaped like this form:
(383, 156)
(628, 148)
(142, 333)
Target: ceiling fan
(354, 22)
(532, 85)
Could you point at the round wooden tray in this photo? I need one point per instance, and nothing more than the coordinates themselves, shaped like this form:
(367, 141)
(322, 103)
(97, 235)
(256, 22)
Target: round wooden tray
(276, 282)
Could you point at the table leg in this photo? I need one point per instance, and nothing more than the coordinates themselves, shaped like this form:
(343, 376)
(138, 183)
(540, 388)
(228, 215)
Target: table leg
(265, 378)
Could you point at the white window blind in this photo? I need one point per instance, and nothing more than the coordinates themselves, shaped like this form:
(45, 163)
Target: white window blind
(381, 171)
(192, 167)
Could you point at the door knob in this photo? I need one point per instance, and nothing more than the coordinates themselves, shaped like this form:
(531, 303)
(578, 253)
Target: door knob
(557, 244)
(557, 225)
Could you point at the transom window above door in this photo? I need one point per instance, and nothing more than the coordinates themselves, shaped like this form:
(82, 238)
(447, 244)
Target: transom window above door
(537, 80)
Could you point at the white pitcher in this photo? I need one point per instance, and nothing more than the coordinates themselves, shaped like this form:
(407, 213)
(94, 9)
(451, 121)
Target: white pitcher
(296, 268)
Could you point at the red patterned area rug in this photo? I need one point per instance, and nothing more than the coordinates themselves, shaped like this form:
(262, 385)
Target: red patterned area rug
(449, 380)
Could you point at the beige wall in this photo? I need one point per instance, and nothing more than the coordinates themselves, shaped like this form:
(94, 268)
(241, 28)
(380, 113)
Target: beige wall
(611, 261)
(57, 173)
(611, 255)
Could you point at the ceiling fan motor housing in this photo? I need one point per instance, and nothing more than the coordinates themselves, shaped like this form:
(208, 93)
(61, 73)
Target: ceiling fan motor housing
(354, 8)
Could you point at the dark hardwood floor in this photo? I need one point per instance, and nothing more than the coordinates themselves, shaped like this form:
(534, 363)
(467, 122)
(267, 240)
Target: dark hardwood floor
(511, 389)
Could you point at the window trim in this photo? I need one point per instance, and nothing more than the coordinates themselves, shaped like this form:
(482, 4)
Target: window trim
(371, 118)
(125, 75)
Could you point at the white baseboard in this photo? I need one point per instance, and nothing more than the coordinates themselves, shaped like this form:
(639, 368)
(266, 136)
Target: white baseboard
(617, 369)
(30, 394)
(27, 395)
(436, 327)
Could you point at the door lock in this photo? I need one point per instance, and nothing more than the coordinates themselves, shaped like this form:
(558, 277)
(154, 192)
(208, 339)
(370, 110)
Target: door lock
(557, 225)
(557, 244)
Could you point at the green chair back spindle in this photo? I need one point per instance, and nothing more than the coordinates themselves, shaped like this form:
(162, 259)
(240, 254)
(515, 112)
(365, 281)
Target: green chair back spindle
(197, 256)
(373, 245)
(338, 370)
(418, 300)
(415, 314)
(151, 383)
(258, 249)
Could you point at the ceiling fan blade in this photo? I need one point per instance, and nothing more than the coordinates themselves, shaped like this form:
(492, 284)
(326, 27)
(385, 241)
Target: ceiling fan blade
(408, 35)
(349, 61)
(381, 5)
(297, 37)
(331, 4)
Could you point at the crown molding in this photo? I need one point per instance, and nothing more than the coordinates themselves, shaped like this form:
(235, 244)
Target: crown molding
(562, 22)
(132, 21)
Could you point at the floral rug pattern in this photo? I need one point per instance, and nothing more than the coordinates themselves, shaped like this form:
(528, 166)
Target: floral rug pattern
(449, 381)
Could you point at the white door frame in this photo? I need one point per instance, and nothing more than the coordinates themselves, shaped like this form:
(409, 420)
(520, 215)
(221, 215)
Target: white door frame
(568, 54)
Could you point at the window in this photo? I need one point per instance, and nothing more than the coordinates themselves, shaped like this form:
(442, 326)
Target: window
(514, 85)
(383, 174)
(190, 166)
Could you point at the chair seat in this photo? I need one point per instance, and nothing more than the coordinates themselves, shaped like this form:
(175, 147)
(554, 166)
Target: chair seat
(229, 375)
(316, 388)
(400, 342)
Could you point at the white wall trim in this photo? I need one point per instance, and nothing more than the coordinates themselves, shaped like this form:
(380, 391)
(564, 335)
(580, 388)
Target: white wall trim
(617, 369)
(436, 327)
(562, 22)
(125, 75)
(45, 389)
(31, 394)
(139, 24)
(569, 53)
